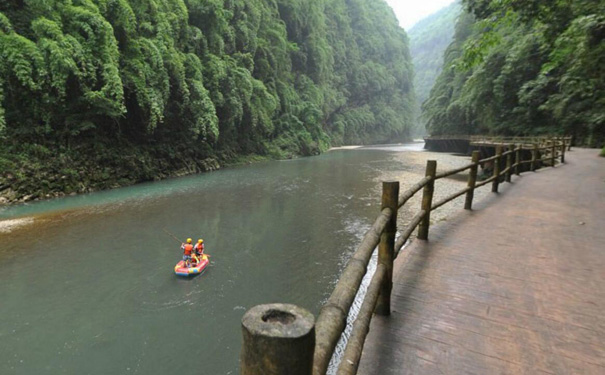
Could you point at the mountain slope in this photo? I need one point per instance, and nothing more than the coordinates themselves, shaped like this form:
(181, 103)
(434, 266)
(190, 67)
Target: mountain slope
(428, 40)
(524, 68)
(100, 93)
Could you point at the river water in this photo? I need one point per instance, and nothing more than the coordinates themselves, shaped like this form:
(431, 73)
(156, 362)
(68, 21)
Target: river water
(87, 283)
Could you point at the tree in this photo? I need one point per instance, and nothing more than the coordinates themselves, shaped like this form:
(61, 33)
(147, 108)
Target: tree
(524, 67)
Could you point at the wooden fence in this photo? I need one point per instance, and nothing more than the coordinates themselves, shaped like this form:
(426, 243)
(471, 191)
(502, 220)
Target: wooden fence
(466, 143)
(539, 140)
(272, 346)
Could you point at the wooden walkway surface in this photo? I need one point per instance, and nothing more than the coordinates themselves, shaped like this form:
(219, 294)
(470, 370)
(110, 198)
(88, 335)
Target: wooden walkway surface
(516, 286)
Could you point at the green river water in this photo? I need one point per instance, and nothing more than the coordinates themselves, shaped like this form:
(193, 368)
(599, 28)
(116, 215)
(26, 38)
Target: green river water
(89, 288)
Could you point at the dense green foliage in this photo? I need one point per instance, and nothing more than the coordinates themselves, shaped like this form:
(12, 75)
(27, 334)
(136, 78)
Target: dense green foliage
(523, 68)
(118, 91)
(428, 40)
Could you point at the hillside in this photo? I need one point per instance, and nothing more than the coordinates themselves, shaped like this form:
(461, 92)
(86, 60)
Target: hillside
(524, 68)
(102, 93)
(428, 40)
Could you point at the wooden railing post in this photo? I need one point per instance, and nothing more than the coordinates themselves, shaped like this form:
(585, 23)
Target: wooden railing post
(518, 160)
(386, 248)
(427, 200)
(563, 151)
(278, 339)
(534, 156)
(553, 153)
(497, 169)
(569, 144)
(509, 163)
(472, 180)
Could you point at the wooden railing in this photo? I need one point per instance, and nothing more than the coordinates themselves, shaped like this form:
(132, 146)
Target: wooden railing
(273, 346)
(539, 140)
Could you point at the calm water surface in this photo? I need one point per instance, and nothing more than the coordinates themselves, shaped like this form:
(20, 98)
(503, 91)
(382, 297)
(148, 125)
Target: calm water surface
(89, 288)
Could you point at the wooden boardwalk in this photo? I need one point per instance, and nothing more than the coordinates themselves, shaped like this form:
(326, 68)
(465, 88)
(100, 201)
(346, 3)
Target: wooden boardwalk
(516, 286)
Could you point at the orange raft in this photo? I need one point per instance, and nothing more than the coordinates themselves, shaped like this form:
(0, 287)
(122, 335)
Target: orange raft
(181, 268)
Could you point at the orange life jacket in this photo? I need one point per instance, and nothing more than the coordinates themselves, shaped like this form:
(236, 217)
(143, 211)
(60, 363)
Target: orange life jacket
(199, 248)
(188, 249)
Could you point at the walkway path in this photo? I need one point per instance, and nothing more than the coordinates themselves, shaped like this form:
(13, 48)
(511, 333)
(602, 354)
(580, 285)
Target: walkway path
(516, 286)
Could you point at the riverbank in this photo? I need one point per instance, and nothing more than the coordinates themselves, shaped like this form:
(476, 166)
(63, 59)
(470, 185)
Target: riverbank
(409, 160)
(33, 182)
(35, 174)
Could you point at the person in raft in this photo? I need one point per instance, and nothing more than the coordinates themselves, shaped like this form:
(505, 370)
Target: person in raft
(187, 250)
(199, 248)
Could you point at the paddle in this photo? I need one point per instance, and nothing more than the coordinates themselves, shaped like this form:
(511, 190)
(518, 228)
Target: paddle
(172, 235)
(176, 238)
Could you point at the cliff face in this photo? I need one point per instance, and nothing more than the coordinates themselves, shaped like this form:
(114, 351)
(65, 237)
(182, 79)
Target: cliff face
(101, 93)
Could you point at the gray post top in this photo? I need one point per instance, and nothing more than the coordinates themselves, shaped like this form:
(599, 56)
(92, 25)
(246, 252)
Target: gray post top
(278, 320)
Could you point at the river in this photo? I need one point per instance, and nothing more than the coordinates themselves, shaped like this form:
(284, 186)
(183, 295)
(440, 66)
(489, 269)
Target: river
(87, 283)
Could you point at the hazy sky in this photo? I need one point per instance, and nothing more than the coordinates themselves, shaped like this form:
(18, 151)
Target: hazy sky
(411, 11)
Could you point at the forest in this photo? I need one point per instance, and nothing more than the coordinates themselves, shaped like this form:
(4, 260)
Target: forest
(102, 93)
(524, 67)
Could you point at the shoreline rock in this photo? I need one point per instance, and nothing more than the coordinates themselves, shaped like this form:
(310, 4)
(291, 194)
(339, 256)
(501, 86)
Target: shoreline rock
(45, 185)
(7, 226)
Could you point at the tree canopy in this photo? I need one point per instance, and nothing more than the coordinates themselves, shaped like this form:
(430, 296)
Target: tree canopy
(179, 81)
(523, 68)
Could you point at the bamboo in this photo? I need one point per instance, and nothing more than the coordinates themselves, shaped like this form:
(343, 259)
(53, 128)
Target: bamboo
(333, 315)
(485, 182)
(405, 235)
(518, 160)
(509, 163)
(497, 170)
(350, 359)
(452, 172)
(427, 200)
(386, 248)
(553, 154)
(277, 339)
(534, 156)
(488, 159)
(413, 190)
(472, 181)
(450, 198)
(508, 152)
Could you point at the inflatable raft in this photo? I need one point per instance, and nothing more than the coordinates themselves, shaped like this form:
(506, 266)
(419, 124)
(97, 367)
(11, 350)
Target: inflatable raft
(182, 270)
